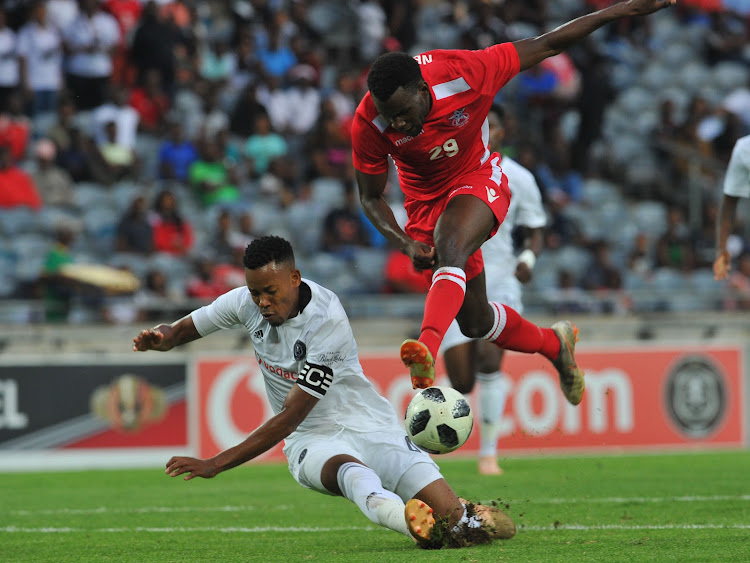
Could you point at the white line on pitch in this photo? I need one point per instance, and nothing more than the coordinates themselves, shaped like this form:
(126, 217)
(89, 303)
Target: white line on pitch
(228, 530)
(287, 529)
(143, 510)
(582, 527)
(625, 500)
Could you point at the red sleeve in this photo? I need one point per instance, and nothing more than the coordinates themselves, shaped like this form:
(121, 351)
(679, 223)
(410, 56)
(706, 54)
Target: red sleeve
(34, 200)
(368, 152)
(187, 235)
(488, 70)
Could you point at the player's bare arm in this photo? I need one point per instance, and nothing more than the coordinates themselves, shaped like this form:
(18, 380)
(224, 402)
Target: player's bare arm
(533, 50)
(165, 337)
(533, 243)
(297, 406)
(724, 226)
(371, 190)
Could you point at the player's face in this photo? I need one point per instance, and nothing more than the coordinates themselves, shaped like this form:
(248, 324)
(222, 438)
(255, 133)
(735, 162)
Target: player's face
(406, 109)
(274, 288)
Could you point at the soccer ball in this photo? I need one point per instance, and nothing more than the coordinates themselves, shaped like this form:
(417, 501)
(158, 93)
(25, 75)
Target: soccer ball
(439, 420)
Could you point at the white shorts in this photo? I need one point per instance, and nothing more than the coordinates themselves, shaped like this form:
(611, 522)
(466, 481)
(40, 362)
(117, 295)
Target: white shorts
(507, 292)
(402, 467)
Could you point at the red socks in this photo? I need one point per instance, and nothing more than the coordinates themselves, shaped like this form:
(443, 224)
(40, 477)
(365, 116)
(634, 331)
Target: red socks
(443, 302)
(510, 331)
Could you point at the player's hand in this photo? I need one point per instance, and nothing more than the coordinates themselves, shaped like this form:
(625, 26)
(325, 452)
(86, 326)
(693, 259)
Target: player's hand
(192, 466)
(722, 265)
(523, 272)
(149, 339)
(422, 255)
(643, 7)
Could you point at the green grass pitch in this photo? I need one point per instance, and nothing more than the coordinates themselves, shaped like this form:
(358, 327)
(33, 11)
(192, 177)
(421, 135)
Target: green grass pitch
(679, 507)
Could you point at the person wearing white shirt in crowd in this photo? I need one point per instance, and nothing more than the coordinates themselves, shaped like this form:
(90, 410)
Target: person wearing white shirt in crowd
(40, 56)
(340, 436)
(736, 186)
(9, 76)
(124, 116)
(90, 39)
(468, 361)
(62, 13)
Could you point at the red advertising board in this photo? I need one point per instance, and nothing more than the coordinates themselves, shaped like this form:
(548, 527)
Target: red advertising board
(636, 397)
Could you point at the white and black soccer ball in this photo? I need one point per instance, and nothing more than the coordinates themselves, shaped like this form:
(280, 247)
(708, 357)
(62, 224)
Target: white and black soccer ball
(439, 419)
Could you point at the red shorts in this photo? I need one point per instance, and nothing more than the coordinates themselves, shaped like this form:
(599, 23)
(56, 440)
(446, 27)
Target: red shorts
(489, 184)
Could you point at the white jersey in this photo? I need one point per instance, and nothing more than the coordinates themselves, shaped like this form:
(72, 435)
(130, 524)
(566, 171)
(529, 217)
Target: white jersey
(737, 179)
(525, 210)
(316, 350)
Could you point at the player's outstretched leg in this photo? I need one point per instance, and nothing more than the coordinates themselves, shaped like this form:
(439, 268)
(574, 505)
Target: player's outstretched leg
(418, 358)
(571, 376)
(419, 520)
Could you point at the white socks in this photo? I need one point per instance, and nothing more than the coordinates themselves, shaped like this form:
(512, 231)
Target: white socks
(363, 487)
(492, 396)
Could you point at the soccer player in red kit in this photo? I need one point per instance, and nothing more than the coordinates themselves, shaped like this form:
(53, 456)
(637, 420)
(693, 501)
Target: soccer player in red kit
(429, 113)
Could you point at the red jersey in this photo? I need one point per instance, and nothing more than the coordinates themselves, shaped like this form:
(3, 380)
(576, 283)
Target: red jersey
(455, 135)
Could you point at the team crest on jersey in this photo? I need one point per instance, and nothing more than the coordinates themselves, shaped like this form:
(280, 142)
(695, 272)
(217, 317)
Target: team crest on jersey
(459, 118)
(300, 350)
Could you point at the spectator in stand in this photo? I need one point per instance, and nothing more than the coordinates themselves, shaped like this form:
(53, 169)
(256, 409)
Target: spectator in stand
(54, 184)
(276, 58)
(246, 110)
(134, 231)
(58, 291)
(703, 239)
(117, 110)
(17, 189)
(9, 78)
(601, 273)
(222, 248)
(15, 127)
(172, 233)
(329, 147)
(62, 13)
(176, 154)
(59, 133)
(218, 62)
(90, 40)
(211, 179)
(116, 161)
(263, 145)
(245, 233)
(153, 46)
(151, 102)
(302, 100)
(78, 156)
(673, 249)
(344, 230)
(205, 284)
(40, 52)
(640, 259)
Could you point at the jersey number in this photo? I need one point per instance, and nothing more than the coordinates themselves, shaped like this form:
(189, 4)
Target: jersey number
(448, 148)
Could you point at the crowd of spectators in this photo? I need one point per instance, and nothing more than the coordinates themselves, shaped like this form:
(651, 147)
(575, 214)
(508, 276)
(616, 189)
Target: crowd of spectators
(163, 136)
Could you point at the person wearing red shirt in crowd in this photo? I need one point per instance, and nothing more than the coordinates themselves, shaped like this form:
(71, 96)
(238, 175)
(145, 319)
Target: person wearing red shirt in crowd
(17, 189)
(15, 128)
(151, 102)
(429, 113)
(172, 234)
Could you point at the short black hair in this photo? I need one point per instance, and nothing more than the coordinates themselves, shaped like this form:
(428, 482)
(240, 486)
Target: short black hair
(498, 110)
(265, 250)
(390, 71)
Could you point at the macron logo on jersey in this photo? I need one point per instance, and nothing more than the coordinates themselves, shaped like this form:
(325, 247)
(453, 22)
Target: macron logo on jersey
(423, 59)
(491, 194)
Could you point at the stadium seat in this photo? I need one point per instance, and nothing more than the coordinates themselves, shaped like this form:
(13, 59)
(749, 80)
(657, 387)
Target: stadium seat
(90, 195)
(729, 75)
(31, 251)
(650, 217)
(369, 267)
(328, 191)
(17, 220)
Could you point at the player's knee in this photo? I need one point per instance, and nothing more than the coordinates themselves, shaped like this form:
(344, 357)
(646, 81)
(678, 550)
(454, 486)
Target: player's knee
(472, 330)
(464, 386)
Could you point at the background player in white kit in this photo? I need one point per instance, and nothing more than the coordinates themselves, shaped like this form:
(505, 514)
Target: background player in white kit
(736, 185)
(470, 360)
(341, 436)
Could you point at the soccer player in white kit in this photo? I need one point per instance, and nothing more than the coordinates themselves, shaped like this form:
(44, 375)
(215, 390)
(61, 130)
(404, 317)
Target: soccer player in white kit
(469, 360)
(736, 185)
(341, 437)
